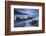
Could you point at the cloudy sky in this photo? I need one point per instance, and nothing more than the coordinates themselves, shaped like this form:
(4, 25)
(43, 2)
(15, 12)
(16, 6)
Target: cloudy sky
(30, 12)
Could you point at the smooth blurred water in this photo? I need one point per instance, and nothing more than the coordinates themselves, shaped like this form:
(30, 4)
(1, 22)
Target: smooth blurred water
(27, 23)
